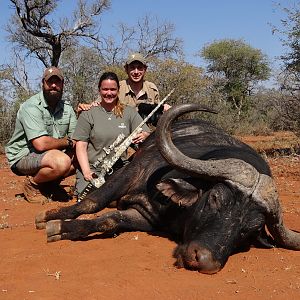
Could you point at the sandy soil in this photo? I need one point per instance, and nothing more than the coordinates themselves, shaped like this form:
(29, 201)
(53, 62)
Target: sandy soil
(136, 265)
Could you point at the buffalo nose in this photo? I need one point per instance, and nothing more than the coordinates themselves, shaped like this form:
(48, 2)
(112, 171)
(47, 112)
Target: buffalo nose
(201, 259)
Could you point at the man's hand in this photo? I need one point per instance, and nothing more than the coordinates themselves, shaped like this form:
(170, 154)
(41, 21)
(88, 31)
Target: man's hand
(86, 106)
(70, 149)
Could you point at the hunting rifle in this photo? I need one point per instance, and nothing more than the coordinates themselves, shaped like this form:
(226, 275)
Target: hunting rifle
(113, 153)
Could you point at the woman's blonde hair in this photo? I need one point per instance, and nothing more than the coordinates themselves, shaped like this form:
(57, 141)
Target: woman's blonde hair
(118, 110)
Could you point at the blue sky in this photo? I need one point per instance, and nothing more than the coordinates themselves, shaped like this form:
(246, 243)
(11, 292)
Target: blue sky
(197, 22)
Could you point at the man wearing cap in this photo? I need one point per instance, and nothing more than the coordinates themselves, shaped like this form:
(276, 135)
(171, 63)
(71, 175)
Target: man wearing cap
(41, 148)
(134, 90)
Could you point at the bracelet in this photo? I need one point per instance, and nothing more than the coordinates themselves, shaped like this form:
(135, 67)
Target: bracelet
(70, 144)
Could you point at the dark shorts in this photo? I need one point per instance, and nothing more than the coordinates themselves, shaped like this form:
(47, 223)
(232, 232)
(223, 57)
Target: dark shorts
(28, 165)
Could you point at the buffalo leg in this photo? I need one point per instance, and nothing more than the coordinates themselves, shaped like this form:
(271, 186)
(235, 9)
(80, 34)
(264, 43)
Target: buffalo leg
(87, 206)
(111, 222)
(93, 203)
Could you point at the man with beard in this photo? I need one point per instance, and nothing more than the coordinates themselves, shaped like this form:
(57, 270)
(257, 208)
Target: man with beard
(41, 147)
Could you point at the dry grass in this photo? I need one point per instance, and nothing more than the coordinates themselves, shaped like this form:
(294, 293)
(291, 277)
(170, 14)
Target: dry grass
(278, 142)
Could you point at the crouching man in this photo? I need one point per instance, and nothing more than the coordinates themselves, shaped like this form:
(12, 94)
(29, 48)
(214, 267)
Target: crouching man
(41, 148)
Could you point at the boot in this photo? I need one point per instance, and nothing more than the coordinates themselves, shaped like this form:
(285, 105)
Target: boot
(34, 192)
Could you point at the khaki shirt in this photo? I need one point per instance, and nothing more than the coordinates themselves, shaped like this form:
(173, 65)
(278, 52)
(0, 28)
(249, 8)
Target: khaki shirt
(35, 119)
(149, 94)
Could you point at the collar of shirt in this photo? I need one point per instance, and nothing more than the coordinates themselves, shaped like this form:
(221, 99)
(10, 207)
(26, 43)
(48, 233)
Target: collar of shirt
(130, 91)
(43, 102)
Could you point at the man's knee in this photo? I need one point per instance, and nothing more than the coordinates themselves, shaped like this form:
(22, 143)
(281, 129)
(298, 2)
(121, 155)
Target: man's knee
(58, 161)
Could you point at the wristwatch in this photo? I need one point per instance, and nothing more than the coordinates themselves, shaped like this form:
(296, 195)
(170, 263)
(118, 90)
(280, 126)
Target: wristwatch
(70, 144)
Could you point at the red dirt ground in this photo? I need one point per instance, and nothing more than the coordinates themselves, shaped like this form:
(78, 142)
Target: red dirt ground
(137, 265)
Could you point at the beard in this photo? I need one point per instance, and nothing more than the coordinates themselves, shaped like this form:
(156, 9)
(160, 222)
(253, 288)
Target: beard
(52, 96)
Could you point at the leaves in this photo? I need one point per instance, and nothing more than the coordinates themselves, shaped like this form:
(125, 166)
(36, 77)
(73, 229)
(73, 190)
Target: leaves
(239, 68)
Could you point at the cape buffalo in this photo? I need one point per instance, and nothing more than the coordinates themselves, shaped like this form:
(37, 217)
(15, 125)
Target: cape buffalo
(208, 191)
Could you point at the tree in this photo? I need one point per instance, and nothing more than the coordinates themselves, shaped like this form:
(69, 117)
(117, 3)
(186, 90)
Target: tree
(149, 36)
(77, 45)
(31, 28)
(171, 73)
(82, 67)
(14, 89)
(238, 68)
(34, 30)
(289, 102)
(290, 37)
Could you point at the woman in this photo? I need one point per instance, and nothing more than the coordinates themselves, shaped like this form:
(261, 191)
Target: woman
(100, 126)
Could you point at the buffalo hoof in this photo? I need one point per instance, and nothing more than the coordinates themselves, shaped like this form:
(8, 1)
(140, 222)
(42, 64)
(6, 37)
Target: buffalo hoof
(40, 220)
(53, 230)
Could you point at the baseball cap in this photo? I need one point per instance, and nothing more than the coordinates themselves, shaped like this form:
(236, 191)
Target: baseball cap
(53, 71)
(136, 57)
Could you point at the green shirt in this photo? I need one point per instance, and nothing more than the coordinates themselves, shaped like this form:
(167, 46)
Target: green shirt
(149, 94)
(35, 119)
(100, 128)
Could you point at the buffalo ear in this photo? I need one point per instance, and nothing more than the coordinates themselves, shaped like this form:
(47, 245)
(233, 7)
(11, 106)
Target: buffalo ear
(217, 196)
(179, 191)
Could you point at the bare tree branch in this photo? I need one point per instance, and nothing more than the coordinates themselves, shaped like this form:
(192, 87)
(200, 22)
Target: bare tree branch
(156, 39)
(151, 38)
(31, 28)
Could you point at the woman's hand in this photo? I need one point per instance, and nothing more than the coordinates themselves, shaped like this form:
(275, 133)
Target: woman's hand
(82, 156)
(140, 137)
(88, 175)
(166, 106)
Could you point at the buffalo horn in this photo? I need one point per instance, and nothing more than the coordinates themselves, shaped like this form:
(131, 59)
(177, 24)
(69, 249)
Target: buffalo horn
(236, 172)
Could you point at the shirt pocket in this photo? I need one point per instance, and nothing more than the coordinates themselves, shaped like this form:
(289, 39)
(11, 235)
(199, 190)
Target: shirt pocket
(49, 125)
(63, 126)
